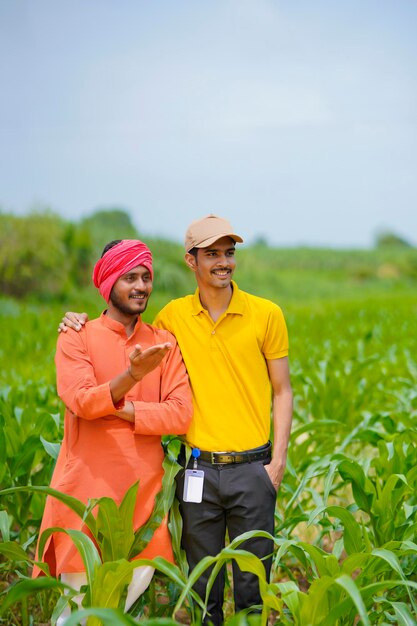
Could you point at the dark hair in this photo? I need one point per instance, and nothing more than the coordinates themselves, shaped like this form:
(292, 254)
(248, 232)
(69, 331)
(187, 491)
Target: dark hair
(110, 245)
(194, 252)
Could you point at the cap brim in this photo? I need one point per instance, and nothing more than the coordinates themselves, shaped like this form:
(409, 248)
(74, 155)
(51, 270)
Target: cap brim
(210, 240)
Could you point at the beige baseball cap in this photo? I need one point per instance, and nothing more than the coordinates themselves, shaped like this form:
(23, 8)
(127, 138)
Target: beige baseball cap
(207, 230)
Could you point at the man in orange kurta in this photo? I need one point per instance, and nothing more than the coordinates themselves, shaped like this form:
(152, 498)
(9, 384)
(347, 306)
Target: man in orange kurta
(124, 385)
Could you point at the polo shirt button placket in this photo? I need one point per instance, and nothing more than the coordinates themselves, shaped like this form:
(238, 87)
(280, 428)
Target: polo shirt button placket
(214, 339)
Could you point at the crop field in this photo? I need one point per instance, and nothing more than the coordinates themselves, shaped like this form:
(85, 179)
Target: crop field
(346, 525)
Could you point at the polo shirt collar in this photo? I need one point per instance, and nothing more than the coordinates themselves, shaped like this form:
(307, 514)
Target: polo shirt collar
(236, 304)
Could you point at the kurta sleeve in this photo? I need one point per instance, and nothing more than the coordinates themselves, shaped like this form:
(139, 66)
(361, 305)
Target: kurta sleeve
(76, 382)
(173, 413)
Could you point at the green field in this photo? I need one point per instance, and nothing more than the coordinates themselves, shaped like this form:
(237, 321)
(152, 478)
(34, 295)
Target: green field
(346, 527)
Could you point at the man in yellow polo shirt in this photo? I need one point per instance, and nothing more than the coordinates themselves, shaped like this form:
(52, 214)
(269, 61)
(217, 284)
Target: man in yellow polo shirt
(235, 349)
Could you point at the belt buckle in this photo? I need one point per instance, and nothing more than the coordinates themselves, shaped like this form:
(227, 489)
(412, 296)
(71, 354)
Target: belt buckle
(228, 456)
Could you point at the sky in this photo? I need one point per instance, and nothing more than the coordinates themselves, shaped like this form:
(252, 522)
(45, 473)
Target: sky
(295, 119)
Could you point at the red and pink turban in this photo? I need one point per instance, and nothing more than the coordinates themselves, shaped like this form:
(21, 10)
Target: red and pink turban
(119, 260)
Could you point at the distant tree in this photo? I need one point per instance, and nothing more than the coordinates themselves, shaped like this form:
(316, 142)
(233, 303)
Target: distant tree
(32, 254)
(389, 239)
(104, 225)
(261, 241)
(80, 253)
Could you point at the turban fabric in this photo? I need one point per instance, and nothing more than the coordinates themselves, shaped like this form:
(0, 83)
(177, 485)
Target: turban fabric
(119, 260)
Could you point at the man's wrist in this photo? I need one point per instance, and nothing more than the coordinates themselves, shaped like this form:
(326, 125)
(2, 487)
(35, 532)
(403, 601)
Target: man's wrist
(129, 371)
(279, 461)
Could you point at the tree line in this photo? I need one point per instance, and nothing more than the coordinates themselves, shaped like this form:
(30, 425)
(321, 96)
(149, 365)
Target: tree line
(44, 255)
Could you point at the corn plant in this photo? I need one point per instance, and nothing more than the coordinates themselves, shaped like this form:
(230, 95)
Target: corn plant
(108, 560)
(345, 540)
(27, 429)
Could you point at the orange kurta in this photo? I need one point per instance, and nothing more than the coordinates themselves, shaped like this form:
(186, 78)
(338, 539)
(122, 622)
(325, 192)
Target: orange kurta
(101, 454)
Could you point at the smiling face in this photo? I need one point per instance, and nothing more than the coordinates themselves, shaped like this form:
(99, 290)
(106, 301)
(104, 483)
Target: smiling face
(214, 266)
(130, 293)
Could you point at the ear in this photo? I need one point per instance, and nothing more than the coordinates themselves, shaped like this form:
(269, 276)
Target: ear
(191, 261)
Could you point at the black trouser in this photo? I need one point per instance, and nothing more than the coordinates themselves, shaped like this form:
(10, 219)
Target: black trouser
(237, 497)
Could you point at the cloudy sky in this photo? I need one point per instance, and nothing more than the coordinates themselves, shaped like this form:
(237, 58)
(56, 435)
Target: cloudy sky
(297, 119)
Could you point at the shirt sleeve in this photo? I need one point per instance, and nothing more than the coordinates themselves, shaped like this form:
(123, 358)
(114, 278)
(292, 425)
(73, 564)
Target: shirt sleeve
(172, 415)
(275, 344)
(162, 320)
(76, 382)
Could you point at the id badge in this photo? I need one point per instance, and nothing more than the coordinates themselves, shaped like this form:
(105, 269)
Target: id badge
(193, 485)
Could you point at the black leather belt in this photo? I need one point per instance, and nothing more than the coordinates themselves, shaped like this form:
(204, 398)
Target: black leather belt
(245, 456)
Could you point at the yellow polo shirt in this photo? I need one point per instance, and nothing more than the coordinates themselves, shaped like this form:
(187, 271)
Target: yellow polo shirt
(226, 365)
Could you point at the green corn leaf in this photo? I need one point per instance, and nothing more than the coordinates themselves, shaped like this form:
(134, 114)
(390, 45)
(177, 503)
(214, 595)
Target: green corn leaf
(292, 597)
(3, 442)
(75, 505)
(403, 614)
(285, 546)
(127, 509)
(329, 480)
(409, 546)
(172, 445)
(325, 563)
(109, 587)
(161, 621)
(349, 586)
(174, 574)
(25, 588)
(386, 506)
(5, 525)
(112, 519)
(51, 448)
(362, 488)
(315, 604)
(250, 534)
(292, 546)
(320, 600)
(100, 616)
(369, 590)
(342, 609)
(114, 529)
(243, 619)
(393, 561)
(14, 552)
(352, 536)
(175, 528)
(195, 574)
(354, 562)
(109, 532)
(171, 571)
(163, 502)
(247, 562)
(62, 602)
(315, 469)
(21, 462)
(84, 545)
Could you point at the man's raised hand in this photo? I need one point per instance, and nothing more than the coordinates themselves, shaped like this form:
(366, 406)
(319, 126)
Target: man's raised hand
(144, 361)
